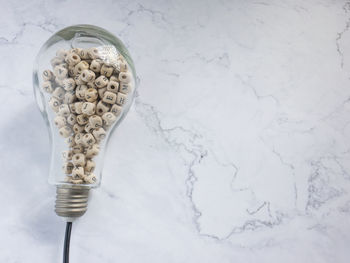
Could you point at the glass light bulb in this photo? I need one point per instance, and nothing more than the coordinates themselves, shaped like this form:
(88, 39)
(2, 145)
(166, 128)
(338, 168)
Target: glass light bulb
(84, 84)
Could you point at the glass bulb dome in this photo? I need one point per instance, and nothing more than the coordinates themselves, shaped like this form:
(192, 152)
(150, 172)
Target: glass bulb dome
(84, 83)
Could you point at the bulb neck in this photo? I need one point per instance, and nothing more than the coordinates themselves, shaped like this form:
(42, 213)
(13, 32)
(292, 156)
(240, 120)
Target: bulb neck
(71, 201)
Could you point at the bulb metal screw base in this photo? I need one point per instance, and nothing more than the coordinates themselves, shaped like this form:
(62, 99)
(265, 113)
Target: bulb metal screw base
(71, 200)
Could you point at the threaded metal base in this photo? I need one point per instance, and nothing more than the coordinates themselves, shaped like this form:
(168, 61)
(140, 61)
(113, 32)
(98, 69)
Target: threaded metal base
(71, 201)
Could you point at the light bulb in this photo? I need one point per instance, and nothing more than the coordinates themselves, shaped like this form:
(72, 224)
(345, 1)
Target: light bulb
(84, 84)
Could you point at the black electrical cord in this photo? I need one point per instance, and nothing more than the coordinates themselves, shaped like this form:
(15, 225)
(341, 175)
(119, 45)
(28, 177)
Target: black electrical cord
(66, 242)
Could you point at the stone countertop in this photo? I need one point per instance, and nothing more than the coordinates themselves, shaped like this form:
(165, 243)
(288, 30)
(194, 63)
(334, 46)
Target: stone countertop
(236, 149)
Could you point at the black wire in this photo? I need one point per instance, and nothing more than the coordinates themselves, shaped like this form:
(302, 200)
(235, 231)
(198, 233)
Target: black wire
(66, 242)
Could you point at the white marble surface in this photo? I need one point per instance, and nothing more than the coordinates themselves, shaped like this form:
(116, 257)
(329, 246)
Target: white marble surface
(237, 148)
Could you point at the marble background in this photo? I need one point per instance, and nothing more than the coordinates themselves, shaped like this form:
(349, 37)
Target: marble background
(236, 149)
